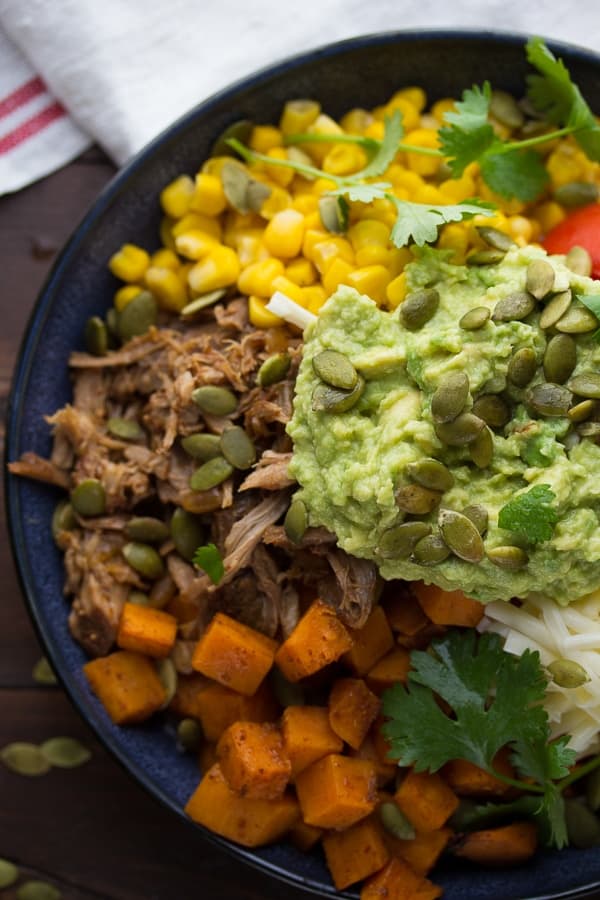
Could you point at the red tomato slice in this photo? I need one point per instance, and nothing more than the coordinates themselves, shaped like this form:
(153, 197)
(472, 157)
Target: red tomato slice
(580, 228)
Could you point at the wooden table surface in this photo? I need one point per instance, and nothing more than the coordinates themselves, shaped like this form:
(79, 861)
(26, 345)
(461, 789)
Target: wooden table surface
(92, 830)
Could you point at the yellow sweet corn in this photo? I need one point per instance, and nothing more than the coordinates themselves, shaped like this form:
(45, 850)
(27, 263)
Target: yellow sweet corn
(280, 175)
(289, 288)
(326, 251)
(240, 223)
(396, 291)
(197, 222)
(312, 237)
(372, 254)
(195, 244)
(166, 233)
(277, 200)
(167, 287)
(314, 297)
(520, 228)
(250, 248)
(165, 259)
(322, 125)
(344, 159)
(264, 137)
(175, 197)
(414, 95)
(370, 280)
(298, 116)
(417, 162)
(375, 130)
(208, 198)
(284, 234)
(301, 271)
(125, 295)
(305, 203)
(410, 114)
(404, 178)
(399, 257)
(455, 237)
(548, 215)
(336, 274)
(356, 121)
(566, 164)
(217, 270)
(258, 277)
(441, 107)
(455, 190)
(129, 263)
(259, 315)
(368, 231)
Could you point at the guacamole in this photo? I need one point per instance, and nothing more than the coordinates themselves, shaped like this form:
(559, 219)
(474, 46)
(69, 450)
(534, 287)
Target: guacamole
(351, 465)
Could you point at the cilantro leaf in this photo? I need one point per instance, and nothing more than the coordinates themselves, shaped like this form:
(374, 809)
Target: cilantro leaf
(387, 150)
(531, 514)
(472, 111)
(592, 301)
(515, 173)
(363, 193)
(464, 147)
(550, 817)
(209, 560)
(419, 222)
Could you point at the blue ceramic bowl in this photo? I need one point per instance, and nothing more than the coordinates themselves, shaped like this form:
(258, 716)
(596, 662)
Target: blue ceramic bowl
(360, 72)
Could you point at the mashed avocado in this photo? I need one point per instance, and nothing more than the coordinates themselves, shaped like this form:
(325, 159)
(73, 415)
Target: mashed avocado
(350, 465)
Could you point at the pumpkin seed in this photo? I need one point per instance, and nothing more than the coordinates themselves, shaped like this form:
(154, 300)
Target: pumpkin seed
(418, 308)
(244, 194)
(215, 400)
(147, 529)
(274, 369)
(241, 130)
(139, 598)
(494, 411)
(416, 499)
(430, 550)
(522, 367)
(395, 822)
(576, 193)
(586, 385)
(144, 559)
(296, 521)
(560, 358)
(549, 399)
(461, 431)
(189, 734)
(449, 399)
(485, 257)
(124, 429)
(8, 873)
(539, 279)
(505, 109)
(65, 752)
(399, 541)
(335, 400)
(138, 316)
(38, 890)
(513, 307)
(508, 557)
(589, 429)
(481, 450)
(577, 320)
(495, 238)
(555, 309)
(567, 673)
(24, 759)
(583, 828)
(592, 791)
(581, 411)
(202, 445)
(461, 535)
(63, 518)
(89, 498)
(43, 673)
(475, 318)
(237, 448)
(162, 592)
(579, 261)
(96, 336)
(167, 674)
(211, 473)
(335, 369)
(431, 473)
(478, 515)
(334, 214)
(202, 302)
(187, 533)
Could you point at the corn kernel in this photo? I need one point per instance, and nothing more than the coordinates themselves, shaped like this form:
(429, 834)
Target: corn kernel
(166, 234)
(549, 214)
(129, 263)
(167, 287)
(396, 291)
(125, 295)
(312, 221)
(455, 236)
(368, 231)
(312, 237)
(264, 137)
(410, 115)
(209, 198)
(298, 115)
(564, 165)
(259, 315)
(284, 234)
(510, 207)
(455, 190)
(250, 248)
(279, 174)
(415, 95)
(371, 255)
(383, 210)
(277, 200)
(356, 121)
(305, 203)
(195, 244)
(402, 177)
(322, 125)
(344, 159)
(418, 162)
(520, 227)
(197, 222)
(217, 270)
(375, 130)
(175, 197)
(370, 280)
(165, 259)
(214, 165)
(289, 288)
(326, 251)
(441, 107)
(429, 194)
(257, 278)
(301, 271)
(314, 297)
(399, 257)
(336, 274)
(240, 223)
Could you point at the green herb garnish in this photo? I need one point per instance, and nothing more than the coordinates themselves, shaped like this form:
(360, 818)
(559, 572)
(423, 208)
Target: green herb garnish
(531, 514)
(210, 561)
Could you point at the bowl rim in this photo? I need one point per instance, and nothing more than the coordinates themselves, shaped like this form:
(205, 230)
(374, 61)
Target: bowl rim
(42, 309)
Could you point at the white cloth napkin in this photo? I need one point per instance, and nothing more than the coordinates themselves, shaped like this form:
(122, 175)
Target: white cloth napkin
(125, 69)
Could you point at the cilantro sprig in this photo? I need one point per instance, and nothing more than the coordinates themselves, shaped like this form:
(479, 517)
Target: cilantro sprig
(531, 514)
(210, 561)
(496, 702)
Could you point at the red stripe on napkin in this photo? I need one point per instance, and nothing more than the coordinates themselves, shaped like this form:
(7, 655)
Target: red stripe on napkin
(21, 95)
(30, 127)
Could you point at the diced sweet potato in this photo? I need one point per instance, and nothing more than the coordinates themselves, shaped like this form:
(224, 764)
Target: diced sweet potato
(127, 684)
(426, 800)
(336, 791)
(370, 642)
(505, 846)
(183, 609)
(253, 760)
(367, 750)
(404, 612)
(397, 881)
(318, 639)
(185, 700)
(423, 851)
(308, 736)
(468, 780)
(392, 668)
(352, 710)
(218, 707)
(233, 654)
(207, 756)
(143, 629)
(448, 607)
(383, 747)
(304, 836)
(355, 853)
(244, 820)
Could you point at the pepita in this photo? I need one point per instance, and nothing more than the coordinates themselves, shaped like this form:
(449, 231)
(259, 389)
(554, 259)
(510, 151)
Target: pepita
(88, 498)
(481, 450)
(65, 752)
(430, 550)
(63, 518)
(505, 109)
(461, 535)
(508, 557)
(202, 445)
(147, 529)
(334, 400)
(560, 358)
(522, 367)
(96, 336)
(124, 429)
(162, 592)
(395, 822)
(586, 385)
(548, 399)
(38, 890)
(583, 827)
(577, 320)
(215, 400)
(167, 674)
(539, 279)
(579, 261)
(139, 598)
(24, 759)
(431, 473)
(567, 673)
(237, 448)
(296, 521)
(211, 473)
(335, 369)
(235, 180)
(144, 559)
(449, 399)
(399, 541)
(416, 499)
(461, 431)
(478, 515)
(334, 214)
(187, 533)
(138, 316)
(189, 734)
(576, 193)
(475, 318)
(418, 308)
(241, 130)
(494, 411)
(513, 307)
(274, 369)
(43, 673)
(490, 257)
(555, 309)
(581, 411)
(8, 873)
(202, 302)
(495, 238)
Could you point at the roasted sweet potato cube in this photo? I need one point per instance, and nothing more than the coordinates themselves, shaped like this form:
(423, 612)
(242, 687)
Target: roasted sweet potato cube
(404, 613)
(304, 836)
(508, 845)
(127, 684)
(389, 670)
(355, 853)
(207, 756)
(244, 820)
(352, 710)
(448, 607)
(383, 748)
(426, 800)
(233, 654)
(253, 760)
(146, 630)
(185, 700)
(397, 881)
(370, 642)
(336, 791)
(183, 609)
(318, 639)
(308, 736)
(218, 707)
(367, 750)
(468, 780)
(423, 851)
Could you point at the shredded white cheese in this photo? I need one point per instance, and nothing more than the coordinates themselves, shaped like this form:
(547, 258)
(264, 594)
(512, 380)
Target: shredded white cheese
(571, 632)
(283, 306)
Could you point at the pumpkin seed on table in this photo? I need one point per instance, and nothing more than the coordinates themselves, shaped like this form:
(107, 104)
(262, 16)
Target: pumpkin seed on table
(508, 557)
(430, 550)
(395, 822)
(274, 369)
(514, 307)
(550, 399)
(144, 559)
(237, 448)
(579, 261)
(335, 400)
(296, 521)
(522, 367)
(481, 450)
(449, 399)
(431, 473)
(540, 278)
(581, 411)
(43, 673)
(560, 358)
(212, 473)
(494, 411)
(63, 518)
(475, 318)
(187, 533)
(167, 674)
(577, 320)
(38, 890)
(461, 431)
(96, 336)
(88, 498)
(8, 873)
(497, 239)
(202, 302)
(124, 429)
(24, 758)
(488, 257)
(583, 827)
(138, 316)
(202, 446)
(576, 193)
(335, 369)
(586, 385)
(567, 673)
(555, 309)
(416, 499)
(65, 752)
(399, 541)
(147, 529)
(189, 734)
(461, 535)
(215, 400)
(478, 515)
(418, 308)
